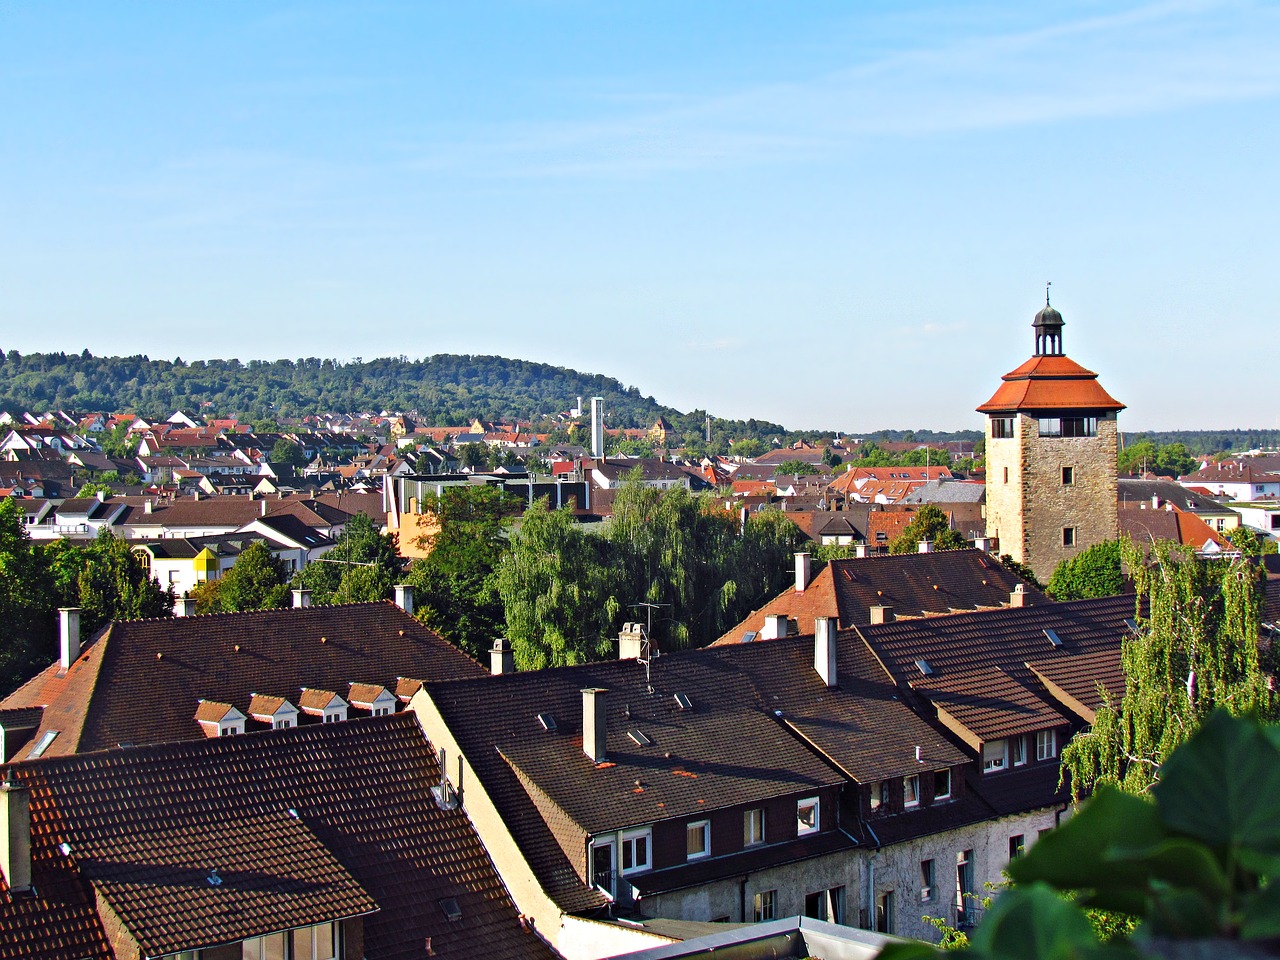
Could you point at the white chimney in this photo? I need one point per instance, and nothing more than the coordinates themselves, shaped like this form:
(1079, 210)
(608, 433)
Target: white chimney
(880, 613)
(775, 626)
(860, 550)
(301, 598)
(15, 836)
(184, 607)
(594, 728)
(924, 546)
(502, 658)
(803, 569)
(148, 506)
(262, 509)
(982, 543)
(68, 636)
(824, 650)
(1019, 596)
(630, 641)
(1155, 501)
(597, 427)
(404, 597)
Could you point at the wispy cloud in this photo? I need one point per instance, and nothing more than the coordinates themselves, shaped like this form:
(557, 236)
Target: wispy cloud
(1148, 59)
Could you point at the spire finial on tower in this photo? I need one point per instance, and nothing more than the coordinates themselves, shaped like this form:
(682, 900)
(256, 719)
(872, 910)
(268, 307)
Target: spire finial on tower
(1047, 285)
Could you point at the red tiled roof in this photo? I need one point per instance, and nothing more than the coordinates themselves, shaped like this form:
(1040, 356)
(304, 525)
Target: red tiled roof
(1050, 383)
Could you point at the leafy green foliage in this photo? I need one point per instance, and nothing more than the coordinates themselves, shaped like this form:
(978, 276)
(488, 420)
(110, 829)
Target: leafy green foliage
(455, 585)
(1022, 570)
(256, 581)
(795, 468)
(929, 523)
(1251, 543)
(362, 567)
(1193, 861)
(1196, 650)
(1095, 572)
(26, 602)
(286, 453)
(1168, 460)
(105, 578)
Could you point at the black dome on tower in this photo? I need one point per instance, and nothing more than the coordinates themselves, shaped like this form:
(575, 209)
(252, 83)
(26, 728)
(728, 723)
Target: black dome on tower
(1048, 327)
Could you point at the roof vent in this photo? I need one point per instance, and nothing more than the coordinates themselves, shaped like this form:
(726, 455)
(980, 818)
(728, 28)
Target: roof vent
(640, 739)
(548, 722)
(1053, 637)
(684, 702)
(924, 668)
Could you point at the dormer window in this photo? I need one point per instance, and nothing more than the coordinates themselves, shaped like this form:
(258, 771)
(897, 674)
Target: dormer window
(995, 756)
(911, 790)
(942, 784)
(807, 816)
(1046, 744)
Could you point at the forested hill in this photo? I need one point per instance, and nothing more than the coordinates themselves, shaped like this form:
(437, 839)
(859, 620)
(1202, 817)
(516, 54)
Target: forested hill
(446, 389)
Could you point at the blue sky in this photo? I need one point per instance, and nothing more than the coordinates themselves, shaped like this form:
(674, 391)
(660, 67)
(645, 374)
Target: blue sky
(833, 215)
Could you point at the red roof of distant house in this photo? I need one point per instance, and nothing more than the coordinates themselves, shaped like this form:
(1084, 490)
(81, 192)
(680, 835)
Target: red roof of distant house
(1050, 383)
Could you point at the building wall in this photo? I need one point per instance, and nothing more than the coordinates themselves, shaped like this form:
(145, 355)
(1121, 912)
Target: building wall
(1030, 511)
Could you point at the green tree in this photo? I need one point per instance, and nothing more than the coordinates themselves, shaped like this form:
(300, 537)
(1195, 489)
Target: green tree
(1196, 650)
(473, 455)
(1022, 570)
(929, 523)
(748, 447)
(559, 591)
(26, 602)
(256, 581)
(455, 585)
(286, 453)
(363, 566)
(1173, 460)
(1251, 543)
(795, 468)
(1137, 457)
(1095, 572)
(91, 488)
(106, 579)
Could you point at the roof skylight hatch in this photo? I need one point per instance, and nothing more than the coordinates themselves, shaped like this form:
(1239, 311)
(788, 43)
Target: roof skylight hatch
(639, 737)
(1053, 637)
(924, 668)
(749, 636)
(451, 909)
(683, 701)
(548, 722)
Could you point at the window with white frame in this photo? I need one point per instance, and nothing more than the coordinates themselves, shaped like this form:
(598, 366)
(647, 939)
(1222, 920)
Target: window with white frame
(636, 845)
(911, 790)
(766, 904)
(318, 942)
(753, 826)
(995, 755)
(1018, 750)
(1046, 744)
(697, 839)
(807, 816)
(603, 863)
(941, 784)
(876, 795)
(270, 947)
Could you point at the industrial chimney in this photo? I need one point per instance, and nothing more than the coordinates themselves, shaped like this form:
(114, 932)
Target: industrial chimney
(597, 427)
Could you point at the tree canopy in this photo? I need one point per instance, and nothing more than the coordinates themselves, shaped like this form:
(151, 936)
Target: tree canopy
(1094, 572)
(256, 581)
(362, 567)
(929, 523)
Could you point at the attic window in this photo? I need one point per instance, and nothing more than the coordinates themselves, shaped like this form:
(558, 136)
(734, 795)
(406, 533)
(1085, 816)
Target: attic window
(548, 722)
(43, 745)
(451, 909)
(749, 636)
(640, 739)
(1053, 637)
(684, 702)
(1132, 624)
(923, 667)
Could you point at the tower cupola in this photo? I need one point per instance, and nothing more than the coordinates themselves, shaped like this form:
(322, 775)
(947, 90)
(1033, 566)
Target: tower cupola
(1048, 326)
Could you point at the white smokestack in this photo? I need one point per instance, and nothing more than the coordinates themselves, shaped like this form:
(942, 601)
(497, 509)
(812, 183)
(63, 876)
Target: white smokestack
(15, 836)
(301, 598)
(597, 427)
(824, 650)
(404, 597)
(68, 636)
(803, 571)
(594, 728)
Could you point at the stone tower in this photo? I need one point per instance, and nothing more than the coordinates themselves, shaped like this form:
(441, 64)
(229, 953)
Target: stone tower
(1051, 456)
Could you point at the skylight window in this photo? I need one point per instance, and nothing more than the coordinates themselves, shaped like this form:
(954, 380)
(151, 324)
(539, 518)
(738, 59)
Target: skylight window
(923, 667)
(640, 739)
(1053, 637)
(43, 745)
(749, 636)
(451, 909)
(684, 702)
(548, 722)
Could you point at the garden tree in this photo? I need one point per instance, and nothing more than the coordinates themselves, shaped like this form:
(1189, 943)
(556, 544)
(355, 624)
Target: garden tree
(263, 425)
(455, 585)
(1251, 543)
(559, 591)
(1137, 457)
(795, 468)
(747, 447)
(91, 488)
(117, 443)
(1195, 650)
(286, 453)
(929, 523)
(1094, 572)
(473, 455)
(831, 458)
(105, 579)
(256, 581)
(627, 447)
(26, 602)
(337, 578)
(1022, 570)
(1173, 460)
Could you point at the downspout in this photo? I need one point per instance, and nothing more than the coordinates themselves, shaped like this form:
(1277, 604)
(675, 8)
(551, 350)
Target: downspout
(742, 897)
(871, 880)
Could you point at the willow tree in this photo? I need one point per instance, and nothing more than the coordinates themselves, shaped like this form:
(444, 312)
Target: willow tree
(1195, 649)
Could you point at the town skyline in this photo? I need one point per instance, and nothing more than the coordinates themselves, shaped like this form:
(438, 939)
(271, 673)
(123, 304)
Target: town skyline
(717, 206)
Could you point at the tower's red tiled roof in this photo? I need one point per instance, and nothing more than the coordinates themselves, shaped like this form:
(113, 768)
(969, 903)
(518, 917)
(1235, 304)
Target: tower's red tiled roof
(1050, 383)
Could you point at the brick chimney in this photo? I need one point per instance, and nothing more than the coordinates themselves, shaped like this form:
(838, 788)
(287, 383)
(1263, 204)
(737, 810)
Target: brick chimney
(630, 641)
(1019, 596)
(15, 836)
(68, 637)
(824, 650)
(502, 658)
(594, 725)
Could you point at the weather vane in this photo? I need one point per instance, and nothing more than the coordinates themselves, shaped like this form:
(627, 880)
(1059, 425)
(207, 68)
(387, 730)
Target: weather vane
(1046, 292)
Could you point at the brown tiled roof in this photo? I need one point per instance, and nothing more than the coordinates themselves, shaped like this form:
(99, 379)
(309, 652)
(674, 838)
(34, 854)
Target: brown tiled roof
(303, 824)
(315, 701)
(139, 680)
(211, 711)
(1050, 383)
(264, 707)
(818, 599)
(991, 703)
(891, 524)
(1075, 681)
(364, 694)
(406, 687)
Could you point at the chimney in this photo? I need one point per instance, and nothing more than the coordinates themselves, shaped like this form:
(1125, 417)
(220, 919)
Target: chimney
(502, 658)
(597, 427)
(630, 641)
(184, 607)
(1019, 596)
(860, 550)
(803, 568)
(148, 506)
(102, 496)
(594, 727)
(880, 613)
(69, 637)
(924, 546)
(404, 597)
(982, 543)
(262, 509)
(15, 836)
(1155, 501)
(301, 598)
(775, 626)
(824, 650)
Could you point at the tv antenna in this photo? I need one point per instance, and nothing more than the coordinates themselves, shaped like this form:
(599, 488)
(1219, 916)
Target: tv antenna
(648, 652)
